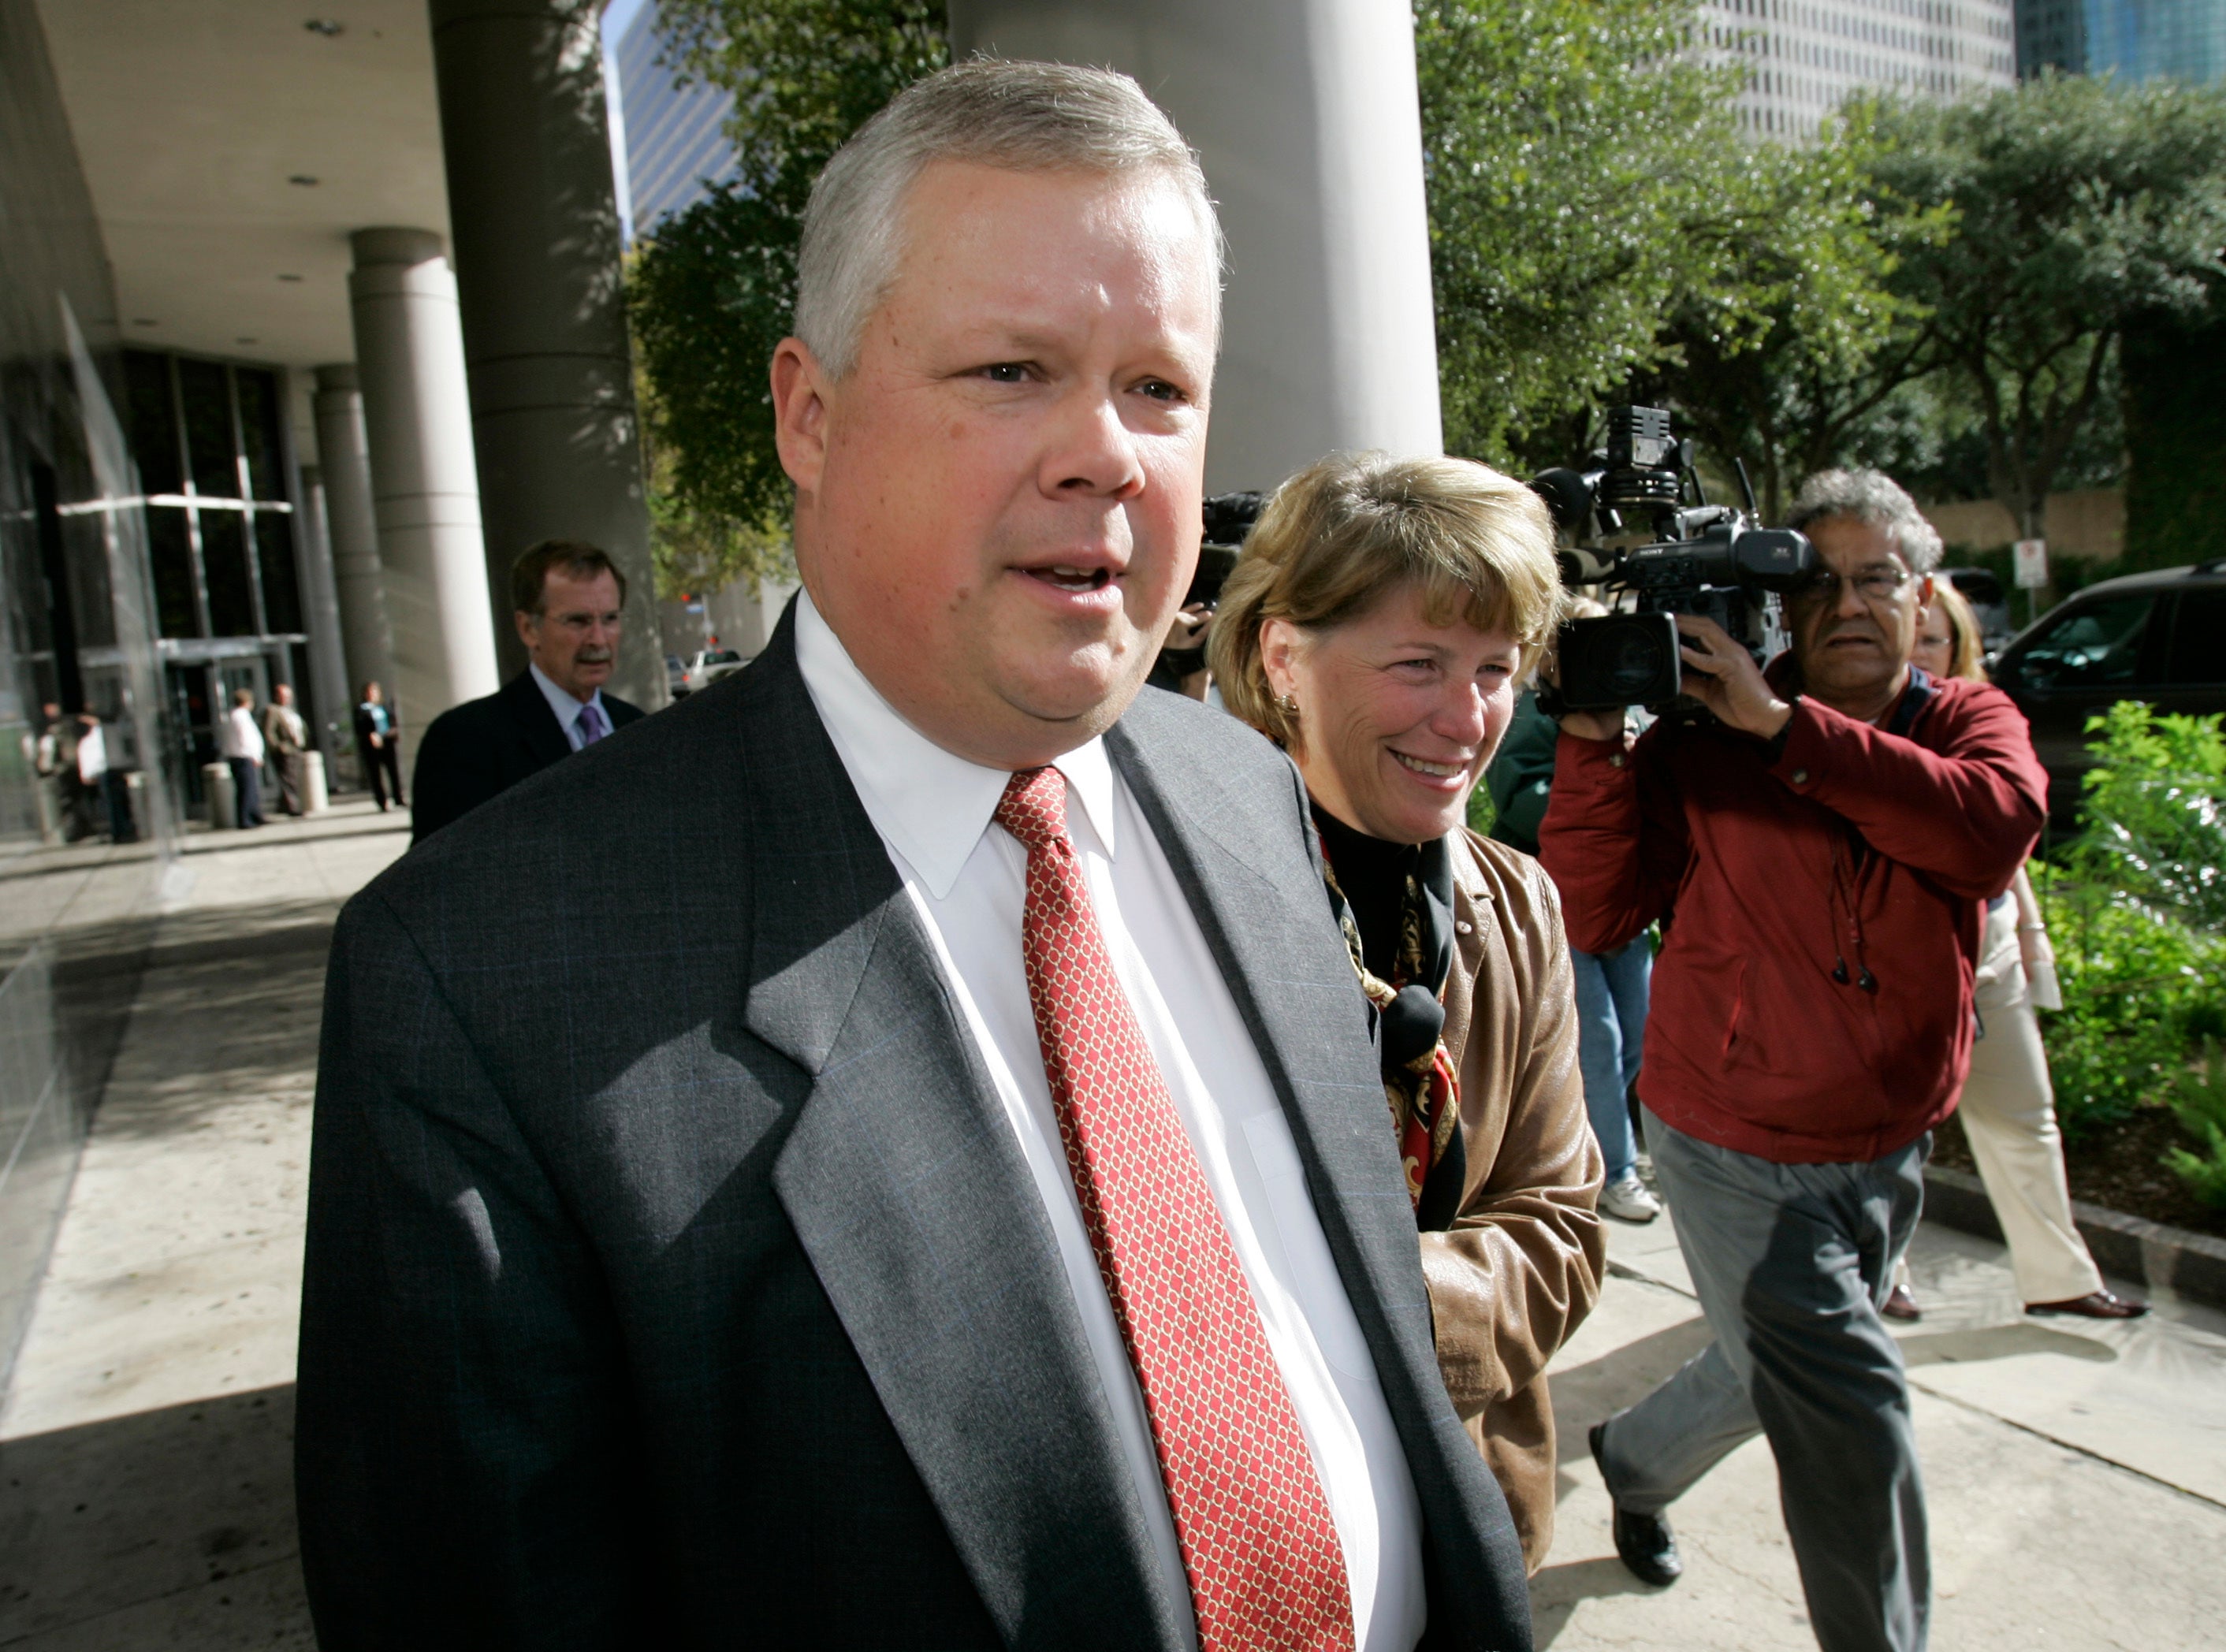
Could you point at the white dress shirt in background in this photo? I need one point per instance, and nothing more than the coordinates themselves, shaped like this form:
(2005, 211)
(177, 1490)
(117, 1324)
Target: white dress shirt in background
(92, 754)
(567, 708)
(237, 736)
(967, 879)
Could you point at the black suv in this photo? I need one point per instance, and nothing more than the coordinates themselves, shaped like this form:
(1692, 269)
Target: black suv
(2159, 637)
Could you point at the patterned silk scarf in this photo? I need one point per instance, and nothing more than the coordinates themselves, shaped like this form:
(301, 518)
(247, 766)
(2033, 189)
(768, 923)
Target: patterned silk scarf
(1419, 1084)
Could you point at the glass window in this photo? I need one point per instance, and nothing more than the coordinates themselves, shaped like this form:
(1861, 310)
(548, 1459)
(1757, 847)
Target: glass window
(175, 608)
(2095, 644)
(274, 557)
(211, 454)
(224, 561)
(258, 425)
(153, 421)
(2198, 638)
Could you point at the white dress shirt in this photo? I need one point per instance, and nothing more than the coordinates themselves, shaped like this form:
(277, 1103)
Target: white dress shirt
(567, 708)
(238, 737)
(967, 880)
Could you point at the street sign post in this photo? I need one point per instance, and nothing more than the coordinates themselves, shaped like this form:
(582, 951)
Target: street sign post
(2032, 574)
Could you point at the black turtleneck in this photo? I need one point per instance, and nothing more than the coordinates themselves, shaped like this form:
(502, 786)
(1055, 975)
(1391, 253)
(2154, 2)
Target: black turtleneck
(1373, 874)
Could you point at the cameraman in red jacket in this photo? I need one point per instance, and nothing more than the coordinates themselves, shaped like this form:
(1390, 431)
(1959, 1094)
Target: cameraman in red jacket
(1820, 852)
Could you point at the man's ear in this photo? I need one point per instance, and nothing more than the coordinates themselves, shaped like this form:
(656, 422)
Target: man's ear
(1925, 589)
(527, 627)
(800, 387)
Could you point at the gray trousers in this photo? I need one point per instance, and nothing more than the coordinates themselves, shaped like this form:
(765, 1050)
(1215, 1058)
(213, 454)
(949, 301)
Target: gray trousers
(1790, 1262)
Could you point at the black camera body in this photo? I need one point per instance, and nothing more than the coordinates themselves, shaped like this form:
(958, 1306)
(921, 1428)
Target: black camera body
(1634, 521)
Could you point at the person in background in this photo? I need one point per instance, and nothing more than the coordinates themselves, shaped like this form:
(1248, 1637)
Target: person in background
(1610, 987)
(1375, 629)
(54, 760)
(569, 597)
(2008, 1107)
(239, 743)
(1828, 835)
(286, 737)
(378, 744)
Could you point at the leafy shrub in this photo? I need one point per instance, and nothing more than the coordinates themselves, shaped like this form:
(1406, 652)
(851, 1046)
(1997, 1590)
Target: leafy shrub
(2137, 912)
(2201, 1105)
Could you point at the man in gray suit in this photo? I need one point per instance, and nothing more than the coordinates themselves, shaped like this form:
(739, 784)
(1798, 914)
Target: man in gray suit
(888, 1153)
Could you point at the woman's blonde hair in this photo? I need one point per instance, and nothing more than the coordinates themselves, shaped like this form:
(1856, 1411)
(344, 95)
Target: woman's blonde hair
(1346, 531)
(1966, 655)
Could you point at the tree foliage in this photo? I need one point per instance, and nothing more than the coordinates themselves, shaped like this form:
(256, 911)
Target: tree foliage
(1598, 223)
(2081, 205)
(712, 293)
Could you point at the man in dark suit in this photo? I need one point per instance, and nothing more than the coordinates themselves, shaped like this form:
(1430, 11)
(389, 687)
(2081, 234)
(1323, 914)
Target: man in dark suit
(567, 596)
(378, 747)
(888, 1154)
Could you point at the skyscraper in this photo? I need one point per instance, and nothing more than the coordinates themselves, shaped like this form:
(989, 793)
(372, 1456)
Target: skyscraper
(669, 139)
(1807, 56)
(2134, 40)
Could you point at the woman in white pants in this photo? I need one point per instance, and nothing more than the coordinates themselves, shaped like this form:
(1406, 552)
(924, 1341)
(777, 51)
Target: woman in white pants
(2008, 1107)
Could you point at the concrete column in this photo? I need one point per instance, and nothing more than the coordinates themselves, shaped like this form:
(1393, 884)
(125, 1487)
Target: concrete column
(1310, 132)
(328, 669)
(358, 582)
(417, 415)
(537, 271)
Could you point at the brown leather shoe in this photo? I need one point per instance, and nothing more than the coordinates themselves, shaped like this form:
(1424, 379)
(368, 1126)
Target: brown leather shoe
(1900, 1305)
(2095, 1305)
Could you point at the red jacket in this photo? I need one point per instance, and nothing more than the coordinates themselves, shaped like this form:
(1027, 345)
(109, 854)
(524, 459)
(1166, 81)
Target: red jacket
(1880, 849)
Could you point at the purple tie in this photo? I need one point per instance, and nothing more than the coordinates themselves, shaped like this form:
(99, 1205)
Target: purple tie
(590, 724)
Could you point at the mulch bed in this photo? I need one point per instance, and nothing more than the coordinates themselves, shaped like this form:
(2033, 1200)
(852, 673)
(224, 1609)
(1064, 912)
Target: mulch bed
(2117, 1166)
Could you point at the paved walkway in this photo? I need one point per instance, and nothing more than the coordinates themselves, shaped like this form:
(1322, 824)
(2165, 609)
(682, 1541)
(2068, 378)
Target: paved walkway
(2077, 1474)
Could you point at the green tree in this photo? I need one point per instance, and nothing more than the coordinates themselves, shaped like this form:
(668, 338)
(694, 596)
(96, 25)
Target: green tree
(2081, 206)
(1814, 354)
(713, 292)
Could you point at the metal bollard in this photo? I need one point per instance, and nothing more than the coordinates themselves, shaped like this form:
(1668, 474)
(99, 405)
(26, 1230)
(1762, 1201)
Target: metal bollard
(223, 798)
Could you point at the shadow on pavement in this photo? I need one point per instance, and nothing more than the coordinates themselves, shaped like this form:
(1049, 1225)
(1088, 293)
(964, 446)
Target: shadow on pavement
(1556, 1589)
(2000, 1341)
(118, 1533)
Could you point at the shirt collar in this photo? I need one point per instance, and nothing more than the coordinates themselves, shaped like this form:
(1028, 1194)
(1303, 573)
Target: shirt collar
(929, 805)
(567, 708)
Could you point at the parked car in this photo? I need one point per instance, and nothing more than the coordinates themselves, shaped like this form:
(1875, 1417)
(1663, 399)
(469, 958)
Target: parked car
(676, 677)
(2158, 637)
(707, 666)
(1989, 601)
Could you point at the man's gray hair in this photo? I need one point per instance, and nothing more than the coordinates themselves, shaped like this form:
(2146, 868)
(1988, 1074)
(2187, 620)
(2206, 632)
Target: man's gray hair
(1022, 116)
(1872, 497)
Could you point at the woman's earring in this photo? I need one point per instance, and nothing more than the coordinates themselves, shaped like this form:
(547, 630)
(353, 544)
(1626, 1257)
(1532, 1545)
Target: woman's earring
(1287, 705)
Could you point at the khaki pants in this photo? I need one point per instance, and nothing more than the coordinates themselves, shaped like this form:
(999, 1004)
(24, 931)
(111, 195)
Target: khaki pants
(2009, 1111)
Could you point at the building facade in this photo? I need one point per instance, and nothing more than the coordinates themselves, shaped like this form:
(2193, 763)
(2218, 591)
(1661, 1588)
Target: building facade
(2134, 40)
(1805, 57)
(670, 137)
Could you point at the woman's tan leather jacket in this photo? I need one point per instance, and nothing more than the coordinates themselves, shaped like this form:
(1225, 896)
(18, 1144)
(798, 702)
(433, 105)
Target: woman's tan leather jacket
(1521, 1266)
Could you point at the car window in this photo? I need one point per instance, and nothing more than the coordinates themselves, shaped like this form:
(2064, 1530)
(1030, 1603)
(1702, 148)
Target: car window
(2198, 639)
(2093, 646)
(720, 657)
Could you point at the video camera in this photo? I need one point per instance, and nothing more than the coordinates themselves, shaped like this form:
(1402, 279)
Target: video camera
(1628, 524)
(1229, 519)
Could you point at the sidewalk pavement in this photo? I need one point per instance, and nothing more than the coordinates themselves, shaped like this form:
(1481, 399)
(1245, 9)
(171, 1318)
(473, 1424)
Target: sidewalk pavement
(2077, 1472)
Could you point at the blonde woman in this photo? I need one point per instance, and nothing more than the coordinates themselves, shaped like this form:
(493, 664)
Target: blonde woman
(1375, 628)
(2008, 1107)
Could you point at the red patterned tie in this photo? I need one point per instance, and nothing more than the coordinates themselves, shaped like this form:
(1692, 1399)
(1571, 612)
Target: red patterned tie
(1266, 1570)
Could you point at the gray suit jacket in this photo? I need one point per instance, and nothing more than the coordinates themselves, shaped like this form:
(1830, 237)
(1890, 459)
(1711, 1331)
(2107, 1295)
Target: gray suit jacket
(673, 1276)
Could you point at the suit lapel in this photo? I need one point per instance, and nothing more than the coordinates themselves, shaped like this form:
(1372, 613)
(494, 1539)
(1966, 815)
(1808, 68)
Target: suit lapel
(908, 1192)
(529, 708)
(1258, 899)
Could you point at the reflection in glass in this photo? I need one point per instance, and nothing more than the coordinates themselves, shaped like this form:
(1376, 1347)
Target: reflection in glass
(211, 451)
(154, 423)
(174, 610)
(258, 429)
(2094, 645)
(224, 561)
(274, 555)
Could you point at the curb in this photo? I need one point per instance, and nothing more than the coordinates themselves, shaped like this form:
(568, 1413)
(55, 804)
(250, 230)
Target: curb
(2191, 1265)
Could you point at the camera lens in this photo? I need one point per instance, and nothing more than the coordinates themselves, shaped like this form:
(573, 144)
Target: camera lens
(1634, 662)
